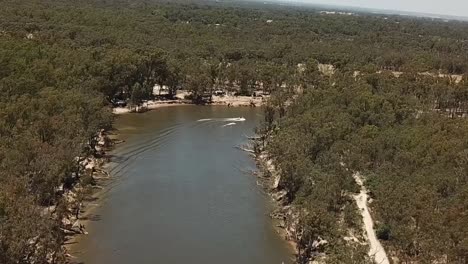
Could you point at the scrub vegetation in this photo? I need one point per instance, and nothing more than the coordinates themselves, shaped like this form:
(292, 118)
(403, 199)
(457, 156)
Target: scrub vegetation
(379, 95)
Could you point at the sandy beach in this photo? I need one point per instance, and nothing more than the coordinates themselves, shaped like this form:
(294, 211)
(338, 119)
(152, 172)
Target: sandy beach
(150, 105)
(227, 100)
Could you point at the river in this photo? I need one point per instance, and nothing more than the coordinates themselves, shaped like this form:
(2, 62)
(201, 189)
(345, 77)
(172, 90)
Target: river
(182, 193)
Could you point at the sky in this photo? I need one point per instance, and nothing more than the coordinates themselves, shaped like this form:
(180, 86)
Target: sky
(444, 7)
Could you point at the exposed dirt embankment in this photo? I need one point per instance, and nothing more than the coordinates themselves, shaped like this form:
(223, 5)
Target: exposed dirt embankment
(89, 178)
(285, 215)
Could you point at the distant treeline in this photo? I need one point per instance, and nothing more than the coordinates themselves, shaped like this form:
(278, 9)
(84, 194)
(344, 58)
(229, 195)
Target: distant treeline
(62, 62)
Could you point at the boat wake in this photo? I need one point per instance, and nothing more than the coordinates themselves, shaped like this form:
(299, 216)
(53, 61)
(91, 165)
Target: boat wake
(234, 119)
(230, 124)
(229, 119)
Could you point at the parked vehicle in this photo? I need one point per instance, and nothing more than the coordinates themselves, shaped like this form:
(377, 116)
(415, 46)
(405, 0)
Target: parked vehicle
(119, 103)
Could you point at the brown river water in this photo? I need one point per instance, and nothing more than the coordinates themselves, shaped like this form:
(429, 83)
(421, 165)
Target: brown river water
(181, 193)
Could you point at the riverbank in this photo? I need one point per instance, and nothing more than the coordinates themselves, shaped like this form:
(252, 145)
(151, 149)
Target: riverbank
(150, 105)
(226, 100)
(237, 101)
(90, 192)
(284, 215)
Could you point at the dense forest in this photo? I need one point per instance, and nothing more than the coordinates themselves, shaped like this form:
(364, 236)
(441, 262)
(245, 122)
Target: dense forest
(63, 62)
(412, 156)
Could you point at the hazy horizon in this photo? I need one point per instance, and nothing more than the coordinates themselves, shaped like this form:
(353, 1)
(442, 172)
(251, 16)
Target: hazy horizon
(447, 7)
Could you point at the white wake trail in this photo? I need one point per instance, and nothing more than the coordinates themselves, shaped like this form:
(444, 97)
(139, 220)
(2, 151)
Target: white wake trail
(235, 119)
(229, 124)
